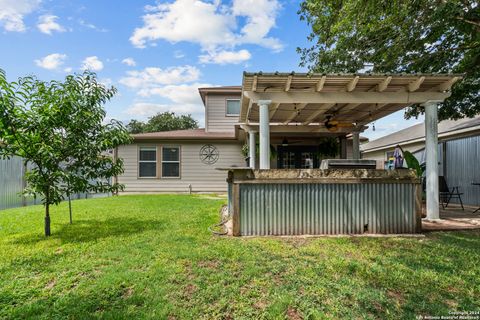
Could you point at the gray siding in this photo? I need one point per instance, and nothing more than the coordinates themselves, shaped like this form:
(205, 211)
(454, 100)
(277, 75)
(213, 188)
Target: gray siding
(201, 177)
(216, 118)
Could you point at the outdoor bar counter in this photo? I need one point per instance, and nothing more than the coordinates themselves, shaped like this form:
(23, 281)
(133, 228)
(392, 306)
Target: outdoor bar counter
(323, 202)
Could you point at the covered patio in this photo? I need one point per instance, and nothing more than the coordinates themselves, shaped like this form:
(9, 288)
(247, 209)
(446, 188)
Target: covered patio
(318, 105)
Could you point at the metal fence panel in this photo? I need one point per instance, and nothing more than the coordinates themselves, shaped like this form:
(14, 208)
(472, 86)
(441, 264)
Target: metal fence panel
(295, 209)
(12, 172)
(463, 168)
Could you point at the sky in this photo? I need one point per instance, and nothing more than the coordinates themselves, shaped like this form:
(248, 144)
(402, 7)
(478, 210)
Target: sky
(157, 53)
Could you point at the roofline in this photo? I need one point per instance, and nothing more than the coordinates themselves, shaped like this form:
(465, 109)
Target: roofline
(225, 89)
(184, 138)
(370, 74)
(444, 134)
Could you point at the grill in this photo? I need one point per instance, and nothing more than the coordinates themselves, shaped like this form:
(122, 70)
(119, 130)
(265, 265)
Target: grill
(348, 164)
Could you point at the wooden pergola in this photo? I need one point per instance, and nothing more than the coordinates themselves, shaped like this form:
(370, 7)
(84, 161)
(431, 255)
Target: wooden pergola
(300, 102)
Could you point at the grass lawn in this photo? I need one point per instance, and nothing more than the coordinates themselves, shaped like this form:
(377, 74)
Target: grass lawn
(152, 257)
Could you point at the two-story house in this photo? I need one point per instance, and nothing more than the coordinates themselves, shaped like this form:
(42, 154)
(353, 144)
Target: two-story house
(187, 160)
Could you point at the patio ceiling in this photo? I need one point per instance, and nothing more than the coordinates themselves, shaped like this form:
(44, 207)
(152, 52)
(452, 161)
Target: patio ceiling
(308, 100)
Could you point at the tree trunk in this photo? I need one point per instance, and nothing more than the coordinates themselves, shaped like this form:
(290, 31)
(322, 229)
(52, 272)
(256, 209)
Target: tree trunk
(47, 220)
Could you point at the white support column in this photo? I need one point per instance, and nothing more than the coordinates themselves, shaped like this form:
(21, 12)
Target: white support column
(356, 145)
(431, 149)
(252, 146)
(264, 134)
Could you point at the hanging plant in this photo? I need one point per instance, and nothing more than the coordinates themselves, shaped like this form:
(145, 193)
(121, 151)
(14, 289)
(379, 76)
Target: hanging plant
(246, 151)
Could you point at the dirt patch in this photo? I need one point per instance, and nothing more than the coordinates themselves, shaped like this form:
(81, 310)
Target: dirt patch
(50, 284)
(209, 264)
(127, 293)
(396, 296)
(190, 289)
(293, 314)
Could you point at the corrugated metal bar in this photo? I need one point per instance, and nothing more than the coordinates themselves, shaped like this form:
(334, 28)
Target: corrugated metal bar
(312, 208)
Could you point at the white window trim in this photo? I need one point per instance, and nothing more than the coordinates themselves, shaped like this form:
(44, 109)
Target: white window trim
(179, 161)
(226, 108)
(148, 161)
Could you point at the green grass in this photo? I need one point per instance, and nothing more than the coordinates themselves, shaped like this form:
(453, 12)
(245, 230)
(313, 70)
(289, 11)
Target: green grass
(152, 257)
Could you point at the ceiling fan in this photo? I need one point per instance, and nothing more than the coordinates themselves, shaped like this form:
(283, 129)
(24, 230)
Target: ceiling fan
(333, 125)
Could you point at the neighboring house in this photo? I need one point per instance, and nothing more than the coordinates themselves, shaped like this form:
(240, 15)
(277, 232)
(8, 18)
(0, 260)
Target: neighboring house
(458, 150)
(187, 160)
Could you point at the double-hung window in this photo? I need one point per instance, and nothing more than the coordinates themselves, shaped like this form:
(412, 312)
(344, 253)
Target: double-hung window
(171, 162)
(147, 163)
(233, 107)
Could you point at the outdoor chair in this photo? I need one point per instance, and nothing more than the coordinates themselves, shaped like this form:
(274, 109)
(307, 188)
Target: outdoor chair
(446, 194)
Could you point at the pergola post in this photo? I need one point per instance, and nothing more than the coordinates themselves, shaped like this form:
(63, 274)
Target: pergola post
(356, 145)
(264, 134)
(252, 146)
(431, 150)
(343, 147)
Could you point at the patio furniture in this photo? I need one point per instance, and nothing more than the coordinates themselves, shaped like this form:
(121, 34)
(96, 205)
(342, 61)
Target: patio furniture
(446, 194)
(476, 184)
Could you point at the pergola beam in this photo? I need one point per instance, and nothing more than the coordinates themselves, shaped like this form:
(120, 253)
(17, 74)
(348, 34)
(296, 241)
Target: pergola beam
(273, 108)
(317, 113)
(320, 84)
(254, 84)
(352, 84)
(249, 109)
(447, 85)
(294, 113)
(384, 84)
(415, 85)
(406, 98)
(281, 128)
(288, 84)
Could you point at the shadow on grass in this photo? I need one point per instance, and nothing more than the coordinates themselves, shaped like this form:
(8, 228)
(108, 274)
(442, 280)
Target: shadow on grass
(94, 230)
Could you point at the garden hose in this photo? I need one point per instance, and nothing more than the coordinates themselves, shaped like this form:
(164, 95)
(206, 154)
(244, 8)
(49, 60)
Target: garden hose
(224, 217)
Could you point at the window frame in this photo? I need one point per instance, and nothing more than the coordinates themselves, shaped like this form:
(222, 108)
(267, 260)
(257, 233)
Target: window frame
(226, 107)
(147, 161)
(179, 161)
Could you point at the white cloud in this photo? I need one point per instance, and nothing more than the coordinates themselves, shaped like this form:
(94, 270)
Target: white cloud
(178, 54)
(52, 61)
(89, 25)
(154, 77)
(129, 62)
(48, 23)
(68, 69)
(12, 13)
(225, 57)
(210, 24)
(92, 63)
(183, 93)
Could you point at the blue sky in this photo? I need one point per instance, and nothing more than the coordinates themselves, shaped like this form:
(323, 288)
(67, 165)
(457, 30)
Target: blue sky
(157, 53)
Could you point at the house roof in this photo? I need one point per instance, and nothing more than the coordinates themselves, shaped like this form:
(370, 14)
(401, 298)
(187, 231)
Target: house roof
(192, 134)
(416, 133)
(310, 99)
(223, 89)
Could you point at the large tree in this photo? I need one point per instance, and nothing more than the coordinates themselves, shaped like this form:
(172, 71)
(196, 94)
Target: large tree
(417, 36)
(165, 121)
(58, 127)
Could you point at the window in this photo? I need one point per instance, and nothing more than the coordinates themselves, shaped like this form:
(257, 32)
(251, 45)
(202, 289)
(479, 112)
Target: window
(147, 163)
(233, 107)
(171, 162)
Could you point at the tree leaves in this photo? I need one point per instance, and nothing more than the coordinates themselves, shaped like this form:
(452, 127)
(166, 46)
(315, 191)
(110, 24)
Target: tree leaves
(166, 121)
(426, 36)
(59, 128)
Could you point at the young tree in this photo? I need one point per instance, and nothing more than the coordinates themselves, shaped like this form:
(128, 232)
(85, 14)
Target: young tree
(166, 121)
(424, 36)
(58, 127)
